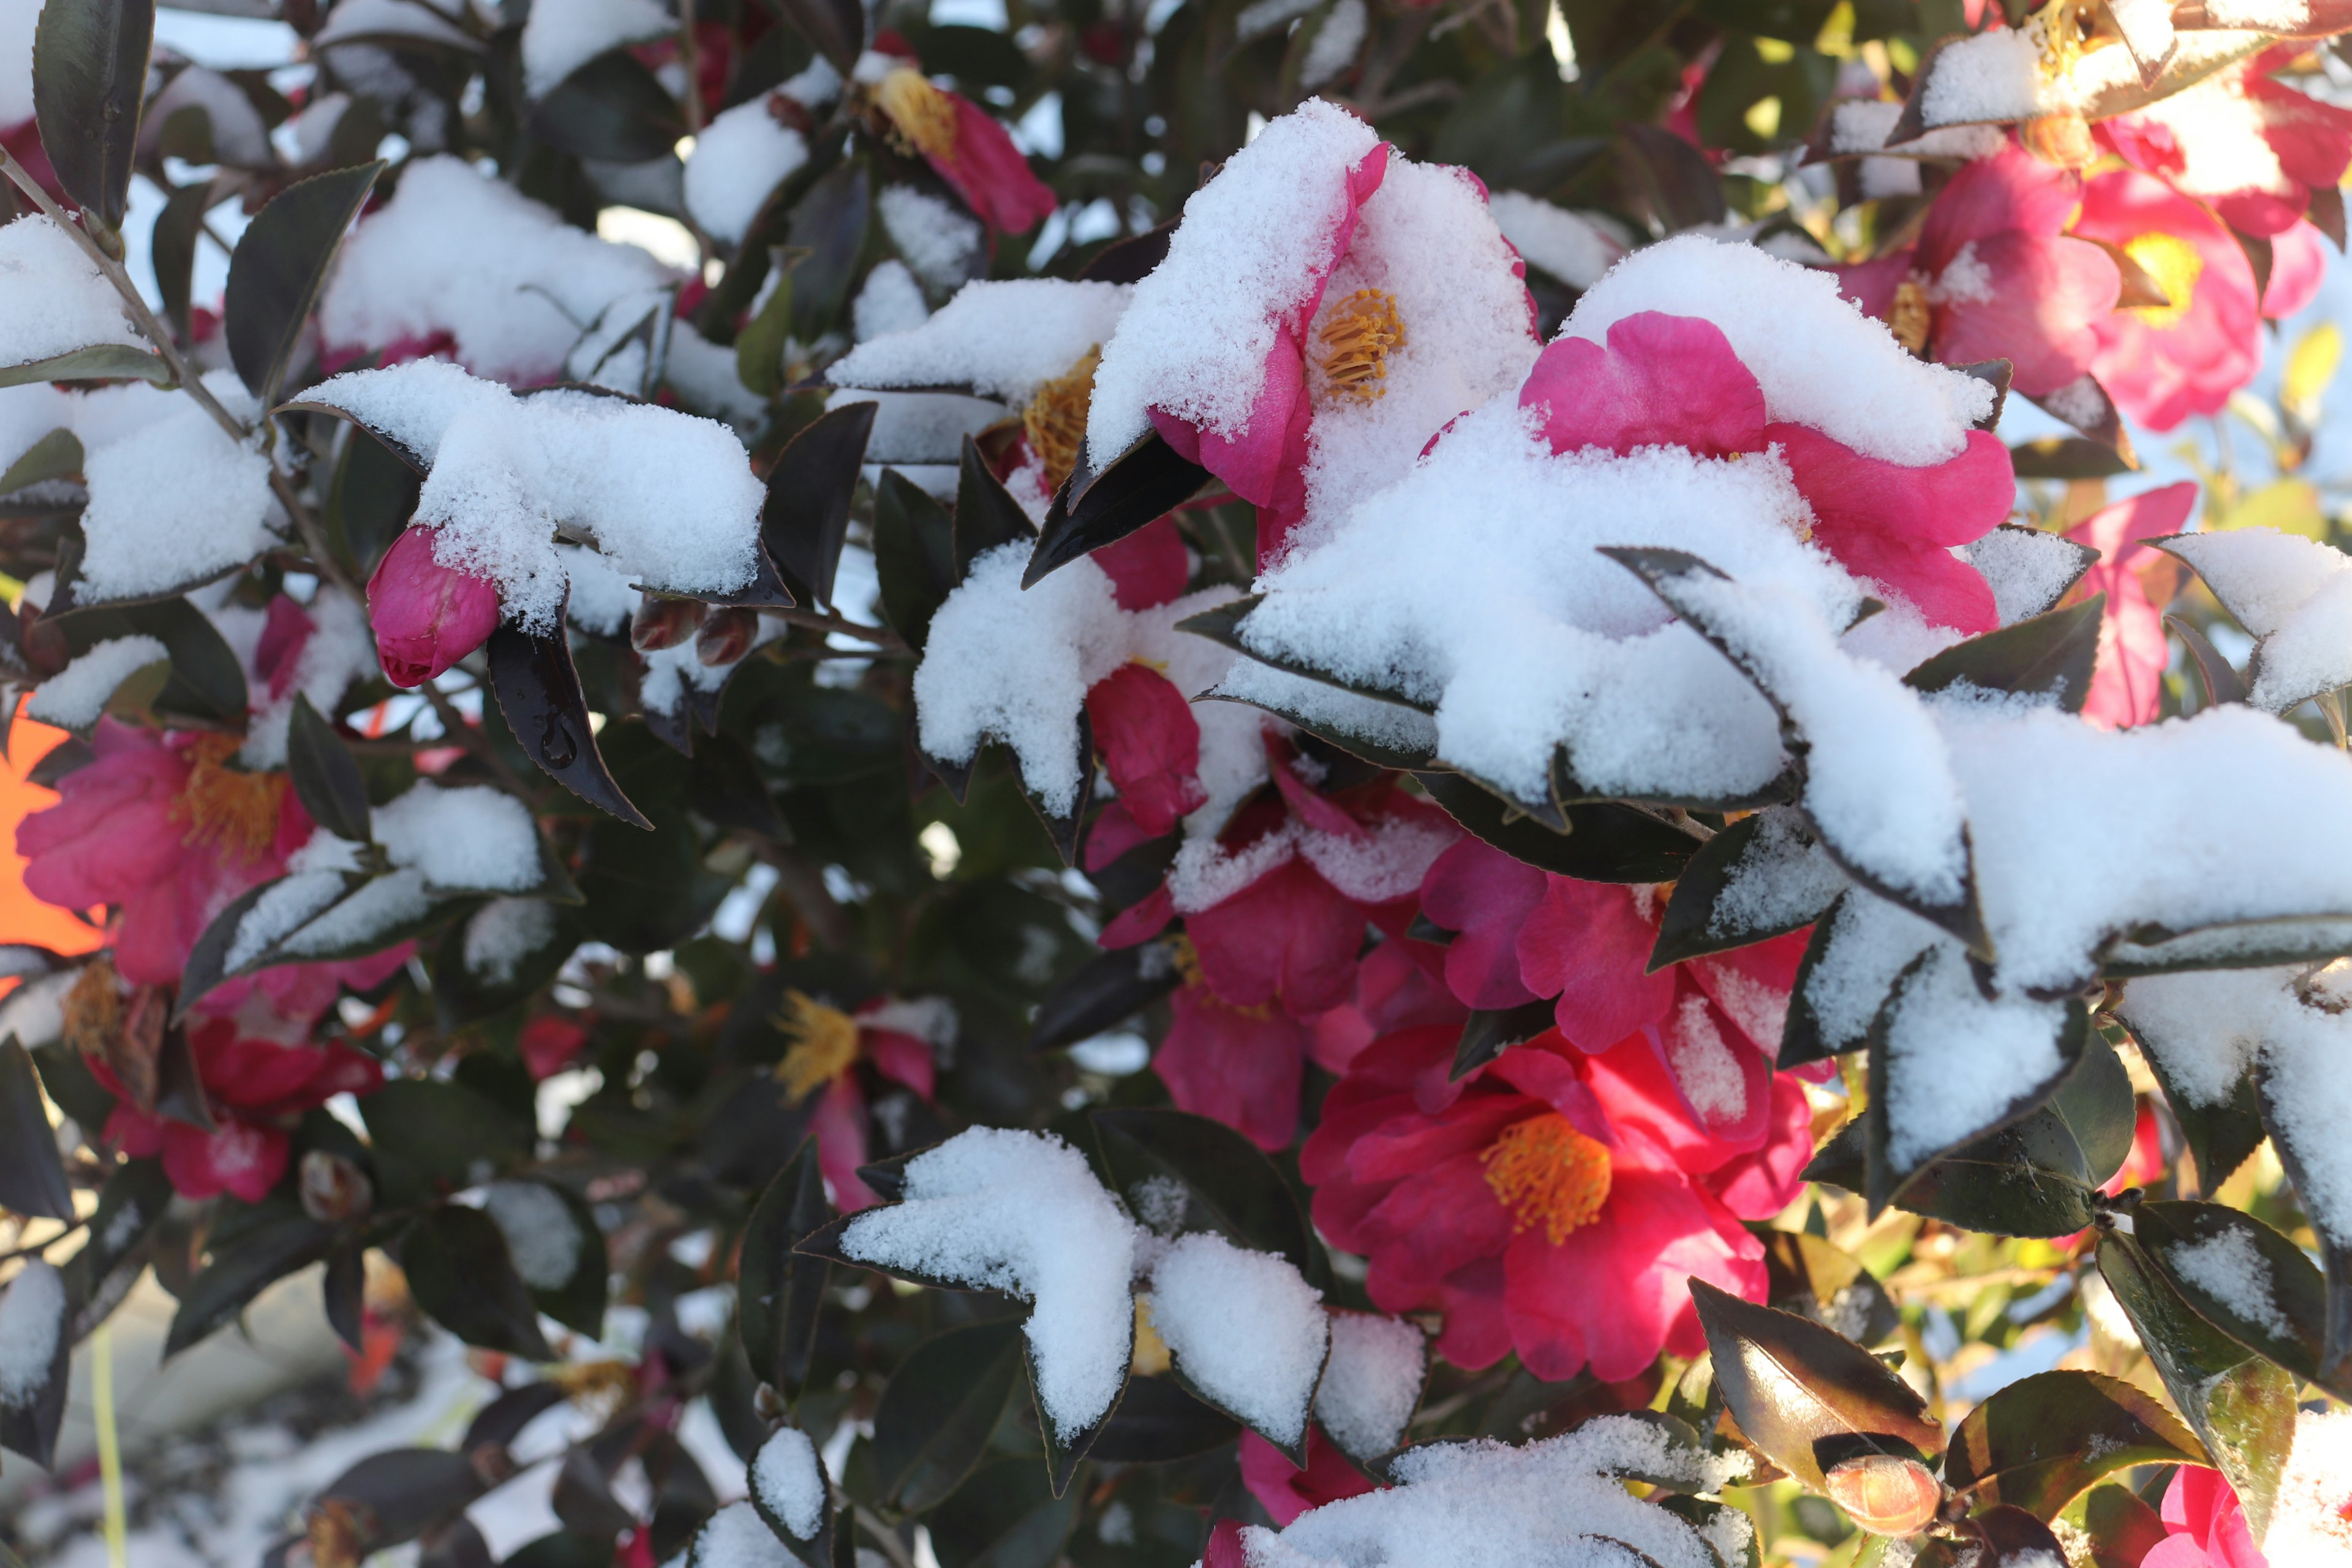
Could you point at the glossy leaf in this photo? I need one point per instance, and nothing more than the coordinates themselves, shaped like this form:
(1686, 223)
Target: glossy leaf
(2040, 1441)
(1605, 842)
(986, 515)
(1812, 1278)
(2067, 458)
(462, 1274)
(2179, 1240)
(1003, 1519)
(611, 109)
(326, 777)
(278, 267)
(1696, 920)
(2049, 655)
(433, 1136)
(1806, 1397)
(89, 74)
(1143, 484)
(2218, 679)
(1157, 1421)
(1235, 1188)
(1488, 1035)
(2241, 1406)
(914, 555)
(805, 520)
(1101, 992)
(780, 1291)
(241, 1267)
(828, 227)
(933, 1424)
(538, 693)
(99, 362)
(32, 1175)
(2123, 1530)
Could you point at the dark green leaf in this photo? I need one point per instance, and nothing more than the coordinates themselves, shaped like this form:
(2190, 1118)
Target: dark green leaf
(373, 495)
(1102, 991)
(2039, 1442)
(89, 72)
(914, 555)
(32, 1175)
(1006, 1516)
(1781, 874)
(501, 1421)
(1157, 1421)
(173, 249)
(432, 1136)
(2219, 678)
(2241, 1406)
(132, 1207)
(343, 1289)
(99, 362)
(539, 692)
(1604, 842)
(2268, 1269)
(207, 681)
(1235, 1188)
(461, 1273)
(56, 456)
(1485, 1036)
(611, 110)
(828, 226)
(326, 777)
(986, 515)
(1806, 1397)
(403, 1492)
(256, 1256)
(1143, 484)
(779, 1292)
(279, 265)
(933, 1424)
(806, 518)
(2047, 656)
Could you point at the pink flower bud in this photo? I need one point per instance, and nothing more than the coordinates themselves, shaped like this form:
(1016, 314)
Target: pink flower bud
(426, 617)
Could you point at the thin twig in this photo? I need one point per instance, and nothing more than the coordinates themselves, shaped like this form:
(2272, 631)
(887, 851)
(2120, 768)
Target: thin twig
(152, 329)
(470, 737)
(884, 1536)
(882, 638)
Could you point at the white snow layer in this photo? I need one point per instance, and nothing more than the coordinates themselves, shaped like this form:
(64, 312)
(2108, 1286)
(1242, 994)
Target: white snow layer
(740, 158)
(472, 838)
(457, 252)
(140, 443)
(2294, 594)
(2002, 74)
(1819, 360)
(31, 1317)
(74, 697)
(889, 301)
(541, 1236)
(1554, 1504)
(1372, 1381)
(1022, 1213)
(669, 498)
(18, 19)
(941, 243)
(502, 933)
(787, 1480)
(559, 38)
(1570, 248)
(2308, 1524)
(2028, 570)
(53, 298)
(1245, 1328)
(737, 1537)
(1000, 340)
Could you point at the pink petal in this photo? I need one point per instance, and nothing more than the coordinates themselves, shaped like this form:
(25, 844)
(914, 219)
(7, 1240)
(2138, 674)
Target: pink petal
(1663, 381)
(1893, 525)
(1150, 743)
(2298, 263)
(1587, 944)
(2047, 290)
(1149, 567)
(1485, 895)
(2010, 190)
(1240, 1067)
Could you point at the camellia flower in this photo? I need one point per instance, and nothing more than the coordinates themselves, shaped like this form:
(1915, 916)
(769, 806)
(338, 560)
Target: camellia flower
(2163, 362)
(1665, 380)
(255, 1088)
(1994, 275)
(2129, 681)
(1552, 1202)
(2311, 1517)
(895, 1038)
(1284, 1489)
(960, 141)
(2251, 148)
(426, 615)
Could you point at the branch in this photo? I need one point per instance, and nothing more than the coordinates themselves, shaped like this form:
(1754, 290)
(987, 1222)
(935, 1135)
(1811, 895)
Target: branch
(461, 733)
(884, 1536)
(881, 637)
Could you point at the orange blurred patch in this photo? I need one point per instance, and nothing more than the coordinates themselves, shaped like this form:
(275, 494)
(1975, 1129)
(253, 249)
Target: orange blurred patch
(24, 918)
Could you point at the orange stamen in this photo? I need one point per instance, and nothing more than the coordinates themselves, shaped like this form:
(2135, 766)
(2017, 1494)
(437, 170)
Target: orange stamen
(824, 1045)
(1548, 1173)
(1356, 338)
(225, 808)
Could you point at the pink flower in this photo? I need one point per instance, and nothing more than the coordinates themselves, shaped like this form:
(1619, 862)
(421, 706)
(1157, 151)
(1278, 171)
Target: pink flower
(1284, 1489)
(965, 146)
(1997, 275)
(2163, 362)
(1552, 1202)
(2298, 263)
(549, 1043)
(827, 1045)
(2249, 148)
(426, 617)
(1149, 744)
(2205, 1524)
(1674, 380)
(1238, 1065)
(2132, 652)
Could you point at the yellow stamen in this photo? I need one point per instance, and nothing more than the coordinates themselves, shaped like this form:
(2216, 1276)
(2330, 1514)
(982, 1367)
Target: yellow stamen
(234, 812)
(923, 117)
(2175, 265)
(824, 1045)
(93, 1008)
(1356, 334)
(1151, 1358)
(1908, 317)
(1188, 960)
(1055, 418)
(1548, 1173)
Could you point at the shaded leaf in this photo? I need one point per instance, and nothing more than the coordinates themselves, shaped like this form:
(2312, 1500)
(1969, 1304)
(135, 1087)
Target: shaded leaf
(827, 227)
(834, 28)
(89, 73)
(1236, 1187)
(1605, 842)
(779, 1291)
(1810, 1277)
(326, 777)
(539, 694)
(2067, 458)
(1157, 1421)
(462, 1274)
(56, 456)
(2122, 1529)
(32, 1173)
(1101, 992)
(934, 1422)
(1806, 1397)
(986, 515)
(432, 1136)
(2049, 655)
(30, 1418)
(1488, 1035)
(403, 1492)
(1091, 510)
(99, 362)
(241, 1267)
(613, 110)
(132, 1208)
(1005, 1517)
(2040, 1442)
(805, 520)
(914, 555)
(278, 267)
(2218, 678)
(2188, 1242)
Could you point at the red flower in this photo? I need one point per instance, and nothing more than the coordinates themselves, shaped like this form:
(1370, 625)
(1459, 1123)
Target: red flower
(1674, 380)
(2206, 1527)
(2248, 147)
(826, 1046)
(426, 617)
(2298, 263)
(964, 144)
(2132, 652)
(1553, 1202)
(1284, 1489)
(2163, 362)
(1238, 1064)
(1997, 275)
(1150, 743)
(255, 1088)
(549, 1043)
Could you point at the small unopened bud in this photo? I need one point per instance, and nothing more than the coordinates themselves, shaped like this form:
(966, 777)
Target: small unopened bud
(334, 1189)
(726, 637)
(426, 617)
(2062, 139)
(664, 623)
(1886, 1494)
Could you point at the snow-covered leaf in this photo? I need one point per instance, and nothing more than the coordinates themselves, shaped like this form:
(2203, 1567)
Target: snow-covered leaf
(89, 72)
(279, 265)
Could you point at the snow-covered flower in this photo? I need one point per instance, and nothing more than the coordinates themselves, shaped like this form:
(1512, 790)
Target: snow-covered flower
(426, 615)
(960, 141)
